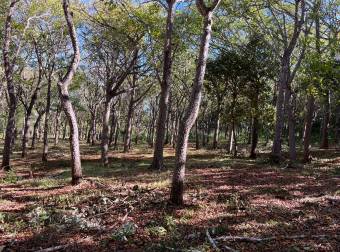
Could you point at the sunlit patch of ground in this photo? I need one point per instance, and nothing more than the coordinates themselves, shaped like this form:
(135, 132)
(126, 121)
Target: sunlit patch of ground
(125, 206)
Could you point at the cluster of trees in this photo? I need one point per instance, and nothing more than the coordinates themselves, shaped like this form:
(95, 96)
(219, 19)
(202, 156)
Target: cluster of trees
(130, 72)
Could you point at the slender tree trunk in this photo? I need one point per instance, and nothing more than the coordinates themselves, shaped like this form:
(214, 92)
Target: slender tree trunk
(35, 128)
(158, 160)
(57, 125)
(233, 140)
(217, 129)
(10, 131)
(89, 131)
(177, 189)
(128, 127)
(325, 122)
(47, 117)
(230, 136)
(254, 137)
(291, 127)
(113, 126)
(74, 136)
(27, 125)
(65, 98)
(307, 133)
(116, 136)
(276, 150)
(204, 137)
(105, 130)
(208, 131)
(94, 126)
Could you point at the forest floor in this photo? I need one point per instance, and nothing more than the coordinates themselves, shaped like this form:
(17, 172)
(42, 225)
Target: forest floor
(124, 207)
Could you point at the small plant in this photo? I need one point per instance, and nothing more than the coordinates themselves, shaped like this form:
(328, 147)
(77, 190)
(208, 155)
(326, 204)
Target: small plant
(124, 232)
(38, 217)
(170, 223)
(157, 231)
(10, 177)
(236, 202)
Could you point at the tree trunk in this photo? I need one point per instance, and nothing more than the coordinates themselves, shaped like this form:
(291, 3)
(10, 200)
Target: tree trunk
(65, 99)
(115, 146)
(233, 140)
(286, 77)
(74, 136)
(8, 68)
(216, 130)
(325, 122)
(35, 128)
(128, 127)
(94, 126)
(10, 130)
(57, 125)
(105, 131)
(276, 150)
(177, 189)
(291, 127)
(47, 118)
(89, 131)
(113, 128)
(254, 136)
(208, 131)
(307, 133)
(158, 160)
(27, 125)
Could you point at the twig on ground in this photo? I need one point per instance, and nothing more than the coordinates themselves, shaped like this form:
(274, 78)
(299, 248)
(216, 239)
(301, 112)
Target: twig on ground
(211, 240)
(230, 248)
(257, 239)
(56, 248)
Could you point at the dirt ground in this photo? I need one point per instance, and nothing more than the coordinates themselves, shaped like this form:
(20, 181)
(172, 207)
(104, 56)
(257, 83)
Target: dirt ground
(124, 207)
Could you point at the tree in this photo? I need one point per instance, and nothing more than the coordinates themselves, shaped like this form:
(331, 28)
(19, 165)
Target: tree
(186, 124)
(9, 64)
(29, 99)
(286, 74)
(158, 160)
(63, 86)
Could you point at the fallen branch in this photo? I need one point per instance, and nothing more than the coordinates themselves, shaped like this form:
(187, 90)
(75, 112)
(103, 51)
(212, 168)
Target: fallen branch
(211, 240)
(257, 239)
(230, 249)
(111, 207)
(56, 248)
